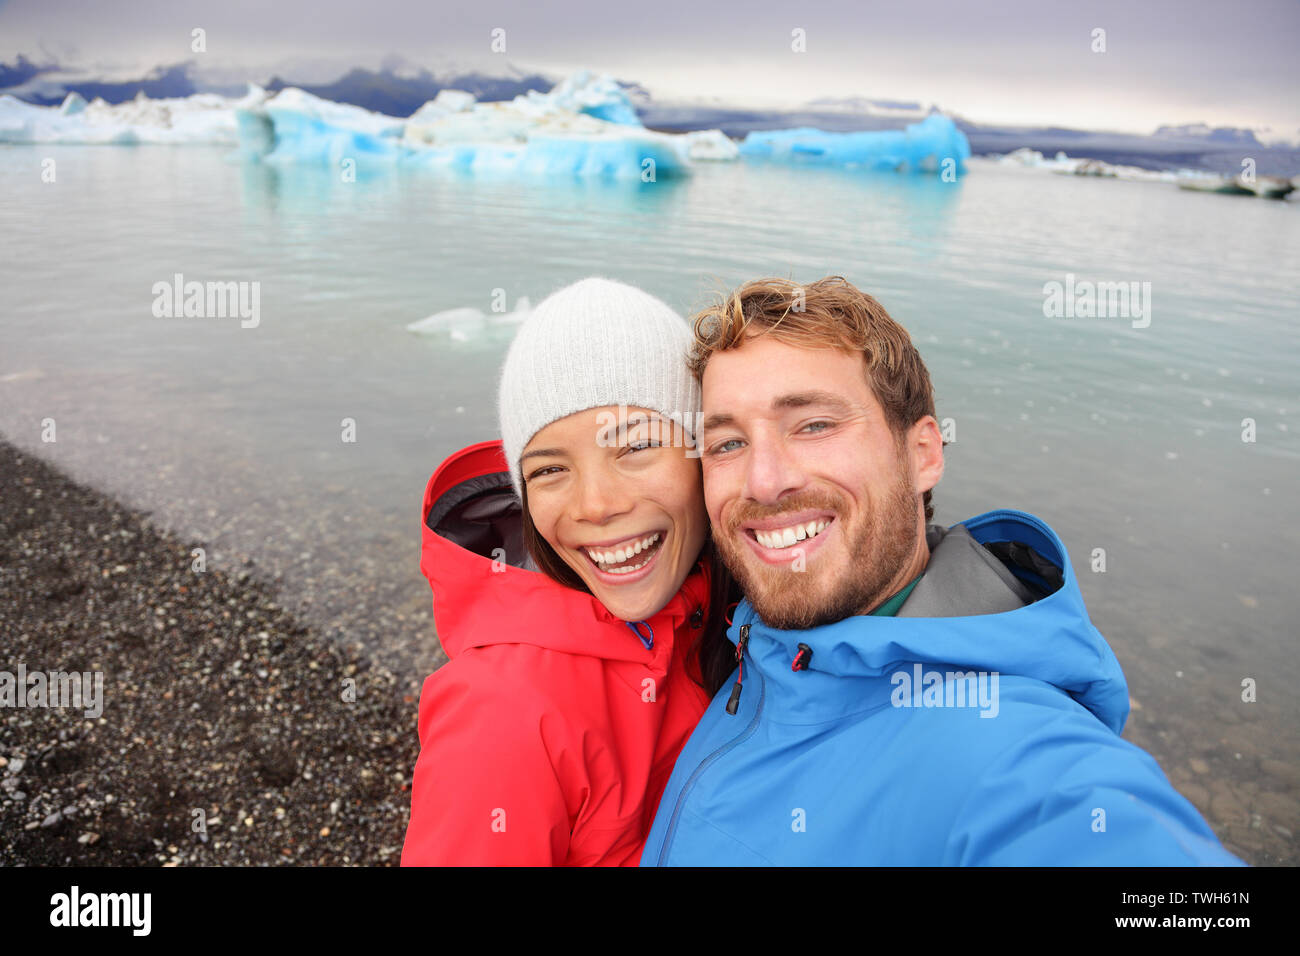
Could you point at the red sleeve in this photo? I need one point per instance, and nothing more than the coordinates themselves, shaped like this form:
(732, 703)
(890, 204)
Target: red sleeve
(485, 792)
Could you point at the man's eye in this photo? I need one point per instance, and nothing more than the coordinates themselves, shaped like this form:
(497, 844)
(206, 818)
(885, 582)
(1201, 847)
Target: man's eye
(722, 447)
(819, 426)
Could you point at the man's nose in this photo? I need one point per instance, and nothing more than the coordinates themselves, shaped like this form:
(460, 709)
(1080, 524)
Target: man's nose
(772, 472)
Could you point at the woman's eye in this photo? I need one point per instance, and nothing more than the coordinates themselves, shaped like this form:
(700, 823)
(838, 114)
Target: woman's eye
(642, 445)
(543, 472)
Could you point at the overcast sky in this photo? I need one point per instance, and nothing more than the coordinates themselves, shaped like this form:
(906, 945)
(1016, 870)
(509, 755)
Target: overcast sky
(1013, 62)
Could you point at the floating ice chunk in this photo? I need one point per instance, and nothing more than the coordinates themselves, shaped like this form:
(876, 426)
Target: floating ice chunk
(466, 323)
(1024, 156)
(710, 144)
(522, 308)
(921, 146)
(201, 119)
(449, 321)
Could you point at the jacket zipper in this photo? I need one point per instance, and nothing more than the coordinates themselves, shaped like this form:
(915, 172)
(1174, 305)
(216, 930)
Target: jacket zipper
(717, 754)
(734, 701)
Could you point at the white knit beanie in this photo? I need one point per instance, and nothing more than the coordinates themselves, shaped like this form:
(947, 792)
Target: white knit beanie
(594, 343)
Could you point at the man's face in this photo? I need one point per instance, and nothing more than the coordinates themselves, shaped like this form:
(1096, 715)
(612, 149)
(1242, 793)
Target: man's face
(815, 507)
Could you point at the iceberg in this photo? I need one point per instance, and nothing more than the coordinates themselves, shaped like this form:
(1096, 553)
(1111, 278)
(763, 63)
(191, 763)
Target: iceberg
(586, 126)
(203, 119)
(920, 147)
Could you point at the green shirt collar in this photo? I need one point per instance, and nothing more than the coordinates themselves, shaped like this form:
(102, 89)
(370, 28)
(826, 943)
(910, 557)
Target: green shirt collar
(890, 607)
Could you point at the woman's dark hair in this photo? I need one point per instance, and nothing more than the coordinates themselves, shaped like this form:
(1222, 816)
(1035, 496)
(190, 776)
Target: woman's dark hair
(711, 657)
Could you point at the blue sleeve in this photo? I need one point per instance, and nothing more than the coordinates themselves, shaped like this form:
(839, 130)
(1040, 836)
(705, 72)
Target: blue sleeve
(1070, 792)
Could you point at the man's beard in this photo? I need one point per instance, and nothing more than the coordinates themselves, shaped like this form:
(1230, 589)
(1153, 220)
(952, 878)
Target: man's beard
(881, 544)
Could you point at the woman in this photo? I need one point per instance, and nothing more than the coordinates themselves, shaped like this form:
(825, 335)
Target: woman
(583, 619)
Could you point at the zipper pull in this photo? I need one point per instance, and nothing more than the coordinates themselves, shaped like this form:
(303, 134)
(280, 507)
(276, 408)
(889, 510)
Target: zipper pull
(734, 701)
(802, 659)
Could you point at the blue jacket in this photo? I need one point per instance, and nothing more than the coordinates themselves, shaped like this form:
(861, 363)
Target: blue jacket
(980, 726)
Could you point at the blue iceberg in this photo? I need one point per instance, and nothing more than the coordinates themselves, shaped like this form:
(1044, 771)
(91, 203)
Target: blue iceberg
(921, 147)
(586, 127)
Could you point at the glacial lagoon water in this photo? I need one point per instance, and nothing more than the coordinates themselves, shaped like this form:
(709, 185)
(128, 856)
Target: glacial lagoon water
(1125, 434)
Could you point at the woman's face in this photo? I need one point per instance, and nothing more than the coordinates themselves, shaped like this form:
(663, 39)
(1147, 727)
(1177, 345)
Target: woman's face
(621, 502)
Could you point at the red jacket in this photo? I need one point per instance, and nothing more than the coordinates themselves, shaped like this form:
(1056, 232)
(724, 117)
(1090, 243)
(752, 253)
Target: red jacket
(549, 735)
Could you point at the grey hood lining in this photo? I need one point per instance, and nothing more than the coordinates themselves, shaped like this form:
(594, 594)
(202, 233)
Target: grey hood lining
(963, 577)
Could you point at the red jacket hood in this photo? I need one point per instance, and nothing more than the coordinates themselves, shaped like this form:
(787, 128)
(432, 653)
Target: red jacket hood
(473, 556)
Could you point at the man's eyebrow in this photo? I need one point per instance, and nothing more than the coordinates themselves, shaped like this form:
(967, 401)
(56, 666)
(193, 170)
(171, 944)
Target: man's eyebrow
(542, 453)
(815, 397)
(792, 400)
(716, 420)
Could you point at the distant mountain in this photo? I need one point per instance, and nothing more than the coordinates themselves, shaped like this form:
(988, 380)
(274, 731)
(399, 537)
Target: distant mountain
(401, 95)
(1221, 134)
(20, 72)
(383, 91)
(862, 104)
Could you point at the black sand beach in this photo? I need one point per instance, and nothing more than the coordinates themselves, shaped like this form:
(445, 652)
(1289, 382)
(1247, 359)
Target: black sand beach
(215, 699)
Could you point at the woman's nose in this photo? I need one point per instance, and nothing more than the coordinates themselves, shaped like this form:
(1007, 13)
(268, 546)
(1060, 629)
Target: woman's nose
(599, 496)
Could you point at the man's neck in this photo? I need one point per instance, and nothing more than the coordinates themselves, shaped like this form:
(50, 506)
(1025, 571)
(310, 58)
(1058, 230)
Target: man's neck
(905, 576)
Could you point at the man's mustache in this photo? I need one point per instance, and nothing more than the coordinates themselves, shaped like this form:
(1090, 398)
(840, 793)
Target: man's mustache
(810, 501)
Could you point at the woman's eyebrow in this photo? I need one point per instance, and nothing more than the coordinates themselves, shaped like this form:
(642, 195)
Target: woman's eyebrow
(616, 434)
(543, 453)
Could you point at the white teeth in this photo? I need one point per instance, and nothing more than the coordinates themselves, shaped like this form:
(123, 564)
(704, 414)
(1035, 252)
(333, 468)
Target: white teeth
(788, 537)
(624, 553)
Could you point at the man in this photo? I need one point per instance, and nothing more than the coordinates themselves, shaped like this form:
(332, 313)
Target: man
(905, 696)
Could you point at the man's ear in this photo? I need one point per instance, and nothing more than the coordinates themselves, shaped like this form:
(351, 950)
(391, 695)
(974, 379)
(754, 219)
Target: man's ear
(926, 443)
